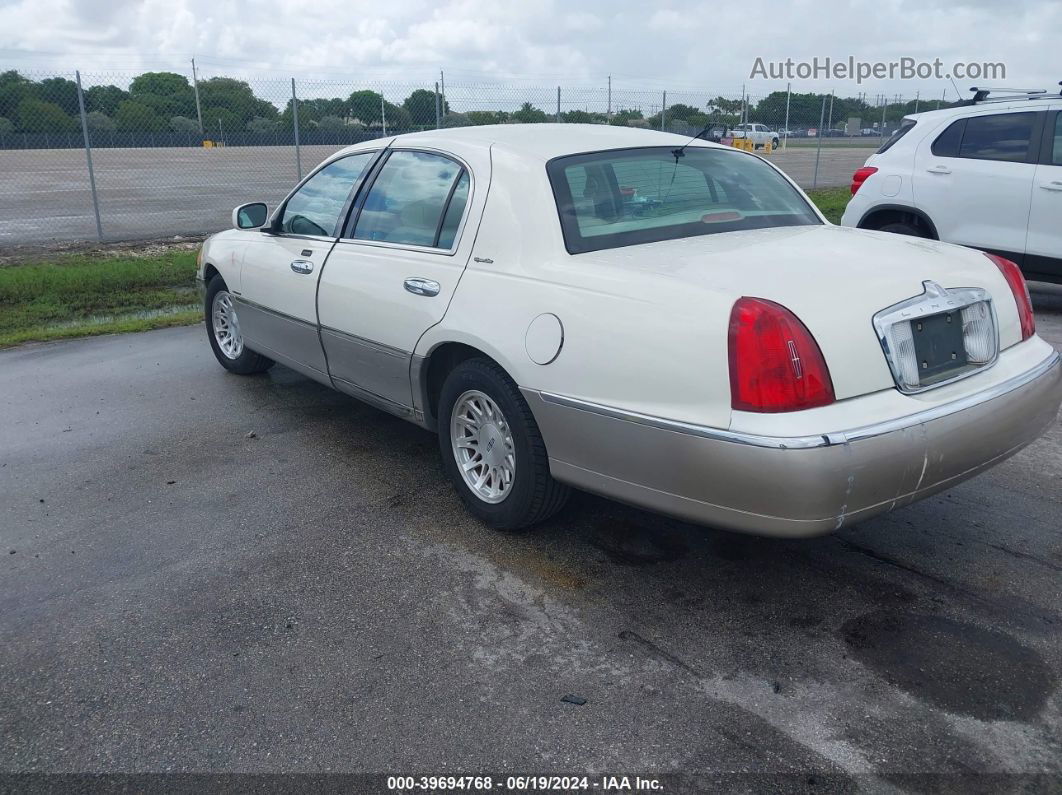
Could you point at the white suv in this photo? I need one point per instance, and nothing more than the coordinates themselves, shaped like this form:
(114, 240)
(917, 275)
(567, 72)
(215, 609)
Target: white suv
(986, 174)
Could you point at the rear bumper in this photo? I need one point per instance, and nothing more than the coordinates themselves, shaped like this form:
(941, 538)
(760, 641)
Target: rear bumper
(793, 486)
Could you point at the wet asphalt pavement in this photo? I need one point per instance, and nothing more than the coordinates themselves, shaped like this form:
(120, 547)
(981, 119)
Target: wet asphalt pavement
(203, 572)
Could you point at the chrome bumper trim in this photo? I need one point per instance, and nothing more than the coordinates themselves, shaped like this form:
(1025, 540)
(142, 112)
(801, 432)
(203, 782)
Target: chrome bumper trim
(819, 440)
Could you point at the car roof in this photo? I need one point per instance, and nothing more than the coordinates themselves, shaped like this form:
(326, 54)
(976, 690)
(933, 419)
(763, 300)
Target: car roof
(1002, 105)
(540, 142)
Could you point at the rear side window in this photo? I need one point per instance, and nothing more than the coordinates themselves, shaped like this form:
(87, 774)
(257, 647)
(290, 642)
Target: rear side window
(947, 143)
(1056, 157)
(1003, 136)
(408, 202)
(905, 127)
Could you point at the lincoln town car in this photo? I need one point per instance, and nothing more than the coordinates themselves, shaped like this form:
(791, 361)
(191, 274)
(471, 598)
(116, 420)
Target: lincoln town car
(665, 322)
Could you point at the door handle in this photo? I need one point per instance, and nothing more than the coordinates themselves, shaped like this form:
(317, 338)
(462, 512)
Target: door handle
(419, 286)
(1056, 185)
(302, 266)
(939, 170)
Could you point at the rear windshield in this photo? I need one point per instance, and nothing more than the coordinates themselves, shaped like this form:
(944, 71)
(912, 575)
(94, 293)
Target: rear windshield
(905, 127)
(631, 196)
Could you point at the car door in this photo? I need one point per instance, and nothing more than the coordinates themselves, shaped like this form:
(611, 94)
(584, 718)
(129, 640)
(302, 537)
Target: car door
(973, 179)
(1043, 257)
(392, 274)
(278, 284)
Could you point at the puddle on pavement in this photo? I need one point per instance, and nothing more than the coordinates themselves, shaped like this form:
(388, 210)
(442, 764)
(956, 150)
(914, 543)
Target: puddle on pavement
(953, 665)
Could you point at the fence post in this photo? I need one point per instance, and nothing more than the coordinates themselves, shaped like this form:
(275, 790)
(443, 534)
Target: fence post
(884, 107)
(608, 113)
(295, 122)
(663, 111)
(438, 112)
(818, 149)
(788, 94)
(558, 105)
(88, 156)
(383, 114)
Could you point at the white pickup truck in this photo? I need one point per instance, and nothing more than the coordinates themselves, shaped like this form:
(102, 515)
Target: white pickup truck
(760, 134)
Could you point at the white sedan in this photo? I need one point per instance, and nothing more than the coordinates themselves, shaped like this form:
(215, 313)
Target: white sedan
(668, 323)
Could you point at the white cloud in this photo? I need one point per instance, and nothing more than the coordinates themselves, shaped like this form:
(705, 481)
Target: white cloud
(675, 45)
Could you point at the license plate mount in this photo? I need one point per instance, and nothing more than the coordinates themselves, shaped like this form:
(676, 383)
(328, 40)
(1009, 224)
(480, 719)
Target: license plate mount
(938, 344)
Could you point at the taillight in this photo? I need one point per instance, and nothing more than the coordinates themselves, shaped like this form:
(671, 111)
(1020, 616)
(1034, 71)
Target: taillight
(775, 363)
(860, 177)
(1012, 273)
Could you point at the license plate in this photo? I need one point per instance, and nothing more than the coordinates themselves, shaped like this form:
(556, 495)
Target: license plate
(938, 345)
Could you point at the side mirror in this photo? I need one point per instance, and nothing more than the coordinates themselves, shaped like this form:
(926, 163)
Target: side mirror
(250, 216)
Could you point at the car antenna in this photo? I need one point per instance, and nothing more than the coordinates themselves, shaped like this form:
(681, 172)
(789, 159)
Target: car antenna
(680, 153)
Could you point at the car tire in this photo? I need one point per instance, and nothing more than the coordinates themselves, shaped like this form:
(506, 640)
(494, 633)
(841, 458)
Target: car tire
(479, 402)
(901, 228)
(223, 331)
(774, 143)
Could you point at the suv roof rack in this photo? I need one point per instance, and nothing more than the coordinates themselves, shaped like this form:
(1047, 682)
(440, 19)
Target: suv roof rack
(982, 95)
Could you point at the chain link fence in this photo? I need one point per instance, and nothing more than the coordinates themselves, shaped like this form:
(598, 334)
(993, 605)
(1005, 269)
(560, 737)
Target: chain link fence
(123, 156)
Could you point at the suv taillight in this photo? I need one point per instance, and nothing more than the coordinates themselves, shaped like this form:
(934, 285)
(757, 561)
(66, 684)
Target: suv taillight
(860, 177)
(1012, 273)
(775, 363)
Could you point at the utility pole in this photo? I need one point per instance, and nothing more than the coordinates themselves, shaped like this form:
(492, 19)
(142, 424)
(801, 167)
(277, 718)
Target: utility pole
(198, 109)
(442, 90)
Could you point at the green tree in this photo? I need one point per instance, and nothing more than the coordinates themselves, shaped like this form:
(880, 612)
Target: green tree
(331, 123)
(260, 125)
(236, 96)
(60, 91)
(455, 120)
(35, 116)
(133, 116)
(104, 99)
(364, 106)
(14, 89)
(529, 114)
(582, 117)
(487, 117)
(421, 106)
(183, 124)
(99, 122)
(6, 126)
(218, 120)
(159, 84)
(624, 117)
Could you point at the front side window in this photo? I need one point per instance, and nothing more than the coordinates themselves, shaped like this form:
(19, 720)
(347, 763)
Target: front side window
(628, 197)
(408, 202)
(314, 208)
(1003, 136)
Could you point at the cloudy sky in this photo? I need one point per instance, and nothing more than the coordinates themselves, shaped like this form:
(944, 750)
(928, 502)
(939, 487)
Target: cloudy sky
(684, 46)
